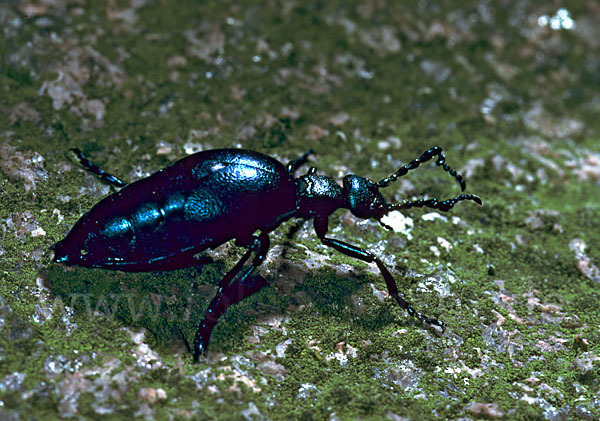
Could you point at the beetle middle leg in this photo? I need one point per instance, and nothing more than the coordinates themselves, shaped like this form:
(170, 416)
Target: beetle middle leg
(292, 166)
(367, 256)
(230, 292)
(91, 167)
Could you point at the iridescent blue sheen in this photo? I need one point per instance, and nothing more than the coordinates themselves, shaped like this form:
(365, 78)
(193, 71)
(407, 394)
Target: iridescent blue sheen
(162, 222)
(201, 201)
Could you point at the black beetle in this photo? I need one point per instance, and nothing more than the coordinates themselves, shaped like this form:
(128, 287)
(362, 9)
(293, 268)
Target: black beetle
(206, 199)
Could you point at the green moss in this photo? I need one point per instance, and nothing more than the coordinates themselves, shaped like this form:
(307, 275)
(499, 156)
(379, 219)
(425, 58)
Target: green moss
(402, 100)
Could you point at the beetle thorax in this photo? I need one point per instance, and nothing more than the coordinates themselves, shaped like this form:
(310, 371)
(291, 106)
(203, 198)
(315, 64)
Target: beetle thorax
(318, 195)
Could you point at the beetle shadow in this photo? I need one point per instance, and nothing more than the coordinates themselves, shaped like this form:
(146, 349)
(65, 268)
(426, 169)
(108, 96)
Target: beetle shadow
(161, 302)
(334, 294)
(170, 303)
(167, 303)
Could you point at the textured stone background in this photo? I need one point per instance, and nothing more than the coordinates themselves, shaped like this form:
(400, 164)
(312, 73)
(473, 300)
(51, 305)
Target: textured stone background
(511, 90)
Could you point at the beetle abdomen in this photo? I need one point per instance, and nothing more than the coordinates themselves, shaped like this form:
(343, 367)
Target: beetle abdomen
(198, 202)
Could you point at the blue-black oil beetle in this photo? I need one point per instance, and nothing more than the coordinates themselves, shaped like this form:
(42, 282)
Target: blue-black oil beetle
(206, 199)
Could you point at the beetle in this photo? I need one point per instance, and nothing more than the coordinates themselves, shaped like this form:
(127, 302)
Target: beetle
(211, 197)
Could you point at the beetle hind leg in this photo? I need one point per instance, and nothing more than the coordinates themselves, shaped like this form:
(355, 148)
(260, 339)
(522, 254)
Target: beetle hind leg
(91, 167)
(241, 288)
(230, 292)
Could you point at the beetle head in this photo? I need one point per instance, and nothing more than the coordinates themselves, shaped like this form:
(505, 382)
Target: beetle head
(364, 200)
(363, 197)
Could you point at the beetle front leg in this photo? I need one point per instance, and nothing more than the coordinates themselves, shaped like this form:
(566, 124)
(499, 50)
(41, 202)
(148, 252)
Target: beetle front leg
(367, 256)
(230, 293)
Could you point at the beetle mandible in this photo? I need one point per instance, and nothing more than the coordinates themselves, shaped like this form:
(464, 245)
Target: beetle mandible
(206, 199)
